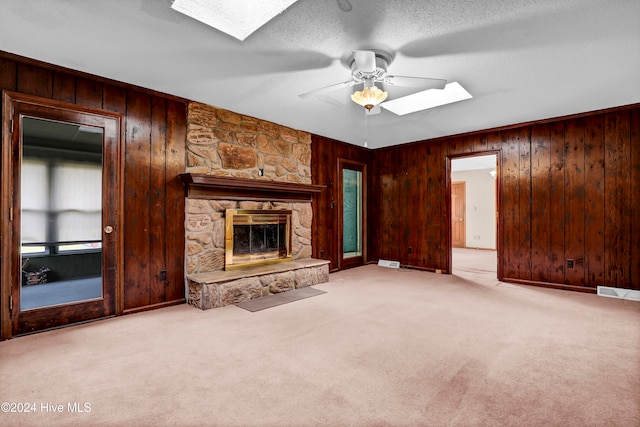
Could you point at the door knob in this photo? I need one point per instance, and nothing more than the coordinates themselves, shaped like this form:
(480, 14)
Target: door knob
(108, 229)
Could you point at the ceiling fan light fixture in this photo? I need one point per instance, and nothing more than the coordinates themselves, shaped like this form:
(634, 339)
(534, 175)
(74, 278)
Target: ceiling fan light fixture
(370, 96)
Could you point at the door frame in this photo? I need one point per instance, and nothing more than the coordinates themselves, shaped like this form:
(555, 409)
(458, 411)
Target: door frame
(356, 261)
(14, 106)
(449, 214)
(464, 214)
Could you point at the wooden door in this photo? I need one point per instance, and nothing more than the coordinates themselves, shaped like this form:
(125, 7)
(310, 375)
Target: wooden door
(58, 302)
(458, 220)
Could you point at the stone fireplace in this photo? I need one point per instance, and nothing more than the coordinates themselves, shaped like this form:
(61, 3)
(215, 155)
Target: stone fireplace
(223, 213)
(239, 163)
(256, 237)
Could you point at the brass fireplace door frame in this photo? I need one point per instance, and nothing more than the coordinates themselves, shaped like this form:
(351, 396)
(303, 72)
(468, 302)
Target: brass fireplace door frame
(255, 217)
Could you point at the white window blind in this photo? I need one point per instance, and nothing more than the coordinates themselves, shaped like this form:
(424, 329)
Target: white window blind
(61, 201)
(34, 181)
(77, 200)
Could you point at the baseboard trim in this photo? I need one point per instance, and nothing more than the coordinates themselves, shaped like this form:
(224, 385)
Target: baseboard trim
(154, 306)
(549, 285)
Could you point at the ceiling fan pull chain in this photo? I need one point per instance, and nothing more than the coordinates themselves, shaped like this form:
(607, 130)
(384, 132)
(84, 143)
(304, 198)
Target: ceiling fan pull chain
(366, 128)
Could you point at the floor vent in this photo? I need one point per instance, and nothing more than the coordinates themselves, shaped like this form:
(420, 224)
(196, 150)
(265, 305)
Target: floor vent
(630, 294)
(390, 264)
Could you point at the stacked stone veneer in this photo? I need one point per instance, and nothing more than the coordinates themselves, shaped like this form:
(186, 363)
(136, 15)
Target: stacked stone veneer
(212, 291)
(224, 143)
(227, 144)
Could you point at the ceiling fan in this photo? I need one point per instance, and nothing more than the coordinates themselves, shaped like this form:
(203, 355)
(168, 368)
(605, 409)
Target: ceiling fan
(370, 67)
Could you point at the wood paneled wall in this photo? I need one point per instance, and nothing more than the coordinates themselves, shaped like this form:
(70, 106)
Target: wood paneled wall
(325, 154)
(154, 146)
(569, 190)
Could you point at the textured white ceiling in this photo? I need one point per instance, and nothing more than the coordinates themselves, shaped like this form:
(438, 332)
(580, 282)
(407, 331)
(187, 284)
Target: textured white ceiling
(522, 60)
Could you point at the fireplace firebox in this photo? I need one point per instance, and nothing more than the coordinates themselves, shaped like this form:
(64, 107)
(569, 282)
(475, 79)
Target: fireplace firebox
(256, 237)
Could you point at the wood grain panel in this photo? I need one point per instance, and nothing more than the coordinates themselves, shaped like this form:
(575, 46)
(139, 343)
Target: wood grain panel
(416, 187)
(617, 202)
(455, 145)
(373, 206)
(64, 87)
(408, 202)
(158, 198)
(322, 173)
(114, 98)
(89, 92)
(557, 203)
(594, 200)
(494, 140)
(634, 135)
(574, 202)
(8, 74)
(434, 205)
(468, 142)
(481, 142)
(443, 195)
(624, 251)
(540, 196)
(33, 80)
(137, 201)
(391, 244)
(174, 225)
(510, 208)
(523, 137)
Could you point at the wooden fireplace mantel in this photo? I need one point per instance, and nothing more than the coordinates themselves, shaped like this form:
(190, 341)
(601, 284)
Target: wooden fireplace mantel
(202, 186)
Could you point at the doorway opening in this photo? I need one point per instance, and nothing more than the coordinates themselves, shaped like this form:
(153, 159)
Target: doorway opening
(474, 213)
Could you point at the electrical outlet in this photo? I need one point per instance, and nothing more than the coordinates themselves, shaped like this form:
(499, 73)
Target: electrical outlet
(409, 250)
(569, 263)
(321, 253)
(163, 274)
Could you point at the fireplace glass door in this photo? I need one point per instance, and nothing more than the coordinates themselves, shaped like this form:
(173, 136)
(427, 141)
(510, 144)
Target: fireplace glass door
(257, 237)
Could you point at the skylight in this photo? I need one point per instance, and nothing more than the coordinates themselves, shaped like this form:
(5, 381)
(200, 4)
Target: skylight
(452, 92)
(236, 18)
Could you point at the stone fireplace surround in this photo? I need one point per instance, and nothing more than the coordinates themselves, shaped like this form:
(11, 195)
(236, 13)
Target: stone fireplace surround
(209, 285)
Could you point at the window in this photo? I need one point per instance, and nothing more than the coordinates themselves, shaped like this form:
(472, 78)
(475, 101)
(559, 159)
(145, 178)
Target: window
(61, 205)
(35, 205)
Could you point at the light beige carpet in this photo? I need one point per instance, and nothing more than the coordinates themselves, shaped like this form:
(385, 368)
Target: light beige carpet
(382, 347)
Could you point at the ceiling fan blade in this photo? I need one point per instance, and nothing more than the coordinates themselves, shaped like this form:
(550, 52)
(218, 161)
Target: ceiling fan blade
(365, 60)
(419, 82)
(327, 89)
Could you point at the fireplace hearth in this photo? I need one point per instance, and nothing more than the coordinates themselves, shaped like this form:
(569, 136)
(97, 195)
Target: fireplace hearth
(256, 237)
